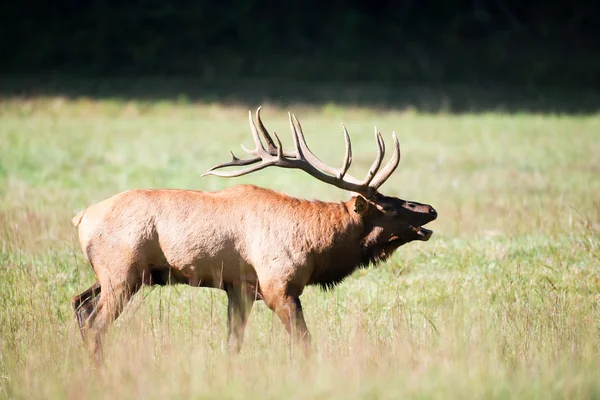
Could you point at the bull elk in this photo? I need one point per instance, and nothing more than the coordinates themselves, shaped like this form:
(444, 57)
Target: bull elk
(252, 242)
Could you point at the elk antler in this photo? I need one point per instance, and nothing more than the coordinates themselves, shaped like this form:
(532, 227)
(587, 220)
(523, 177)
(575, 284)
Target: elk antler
(307, 161)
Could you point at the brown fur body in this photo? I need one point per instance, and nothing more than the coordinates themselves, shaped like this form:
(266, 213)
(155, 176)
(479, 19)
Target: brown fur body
(206, 239)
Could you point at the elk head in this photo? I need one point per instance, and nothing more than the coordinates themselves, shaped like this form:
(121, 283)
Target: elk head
(389, 222)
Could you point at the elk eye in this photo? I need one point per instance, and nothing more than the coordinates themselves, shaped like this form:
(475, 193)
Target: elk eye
(390, 210)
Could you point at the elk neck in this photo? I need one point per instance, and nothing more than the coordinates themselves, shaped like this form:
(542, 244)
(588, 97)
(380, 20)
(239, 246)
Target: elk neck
(338, 242)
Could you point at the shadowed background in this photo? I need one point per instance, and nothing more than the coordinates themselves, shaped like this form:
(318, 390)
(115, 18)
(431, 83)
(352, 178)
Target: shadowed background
(455, 56)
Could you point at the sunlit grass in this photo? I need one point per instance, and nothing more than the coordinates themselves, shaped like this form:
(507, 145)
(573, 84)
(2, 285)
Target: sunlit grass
(502, 302)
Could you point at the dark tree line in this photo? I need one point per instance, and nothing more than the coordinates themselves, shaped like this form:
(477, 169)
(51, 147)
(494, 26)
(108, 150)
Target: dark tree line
(531, 43)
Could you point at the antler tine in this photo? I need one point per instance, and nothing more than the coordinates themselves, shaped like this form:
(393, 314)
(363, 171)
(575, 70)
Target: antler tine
(309, 155)
(280, 153)
(233, 174)
(312, 159)
(377, 163)
(271, 148)
(259, 150)
(389, 168)
(347, 156)
(297, 145)
(233, 163)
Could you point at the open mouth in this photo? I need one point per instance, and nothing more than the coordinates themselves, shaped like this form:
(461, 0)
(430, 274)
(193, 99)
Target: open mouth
(423, 233)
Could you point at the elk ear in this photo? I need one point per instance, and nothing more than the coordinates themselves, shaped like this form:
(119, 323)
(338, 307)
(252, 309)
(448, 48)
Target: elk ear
(360, 205)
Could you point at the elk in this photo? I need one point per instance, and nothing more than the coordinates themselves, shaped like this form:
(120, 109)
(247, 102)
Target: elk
(251, 242)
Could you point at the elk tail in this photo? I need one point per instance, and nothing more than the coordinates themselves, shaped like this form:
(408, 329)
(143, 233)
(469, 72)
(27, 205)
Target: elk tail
(77, 219)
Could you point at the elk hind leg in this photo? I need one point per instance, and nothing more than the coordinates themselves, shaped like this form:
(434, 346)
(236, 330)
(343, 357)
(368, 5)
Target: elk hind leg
(113, 299)
(84, 304)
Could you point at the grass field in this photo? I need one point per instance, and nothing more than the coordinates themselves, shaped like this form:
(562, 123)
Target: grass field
(502, 302)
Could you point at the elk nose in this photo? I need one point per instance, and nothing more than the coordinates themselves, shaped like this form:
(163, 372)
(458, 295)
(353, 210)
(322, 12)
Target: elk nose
(432, 212)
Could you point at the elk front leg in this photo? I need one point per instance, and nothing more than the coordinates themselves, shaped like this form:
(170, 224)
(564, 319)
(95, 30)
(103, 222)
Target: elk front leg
(240, 301)
(289, 309)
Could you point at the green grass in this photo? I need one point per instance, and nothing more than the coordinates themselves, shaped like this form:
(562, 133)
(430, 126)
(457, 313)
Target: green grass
(502, 302)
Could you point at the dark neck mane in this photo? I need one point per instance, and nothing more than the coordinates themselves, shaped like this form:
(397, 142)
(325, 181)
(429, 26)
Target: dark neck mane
(351, 248)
